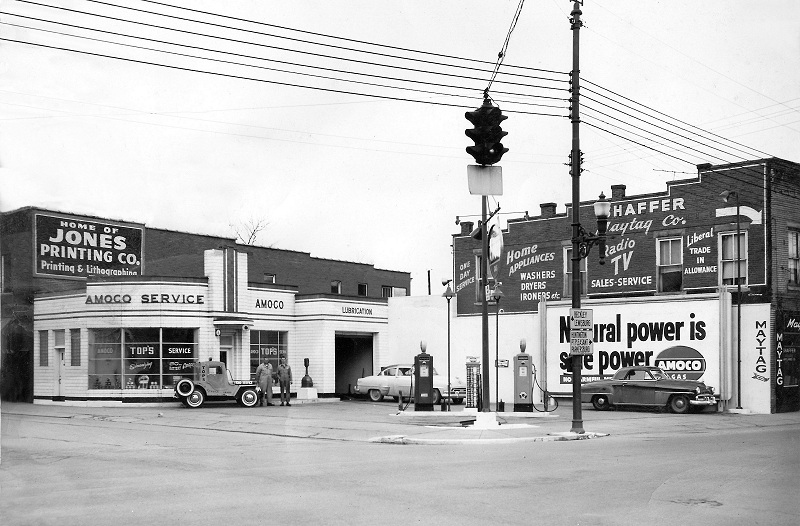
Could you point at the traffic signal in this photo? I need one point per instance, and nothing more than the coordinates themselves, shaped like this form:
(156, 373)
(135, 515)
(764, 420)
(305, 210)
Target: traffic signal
(486, 133)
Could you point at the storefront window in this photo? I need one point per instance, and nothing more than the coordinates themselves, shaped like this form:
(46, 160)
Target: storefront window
(142, 363)
(145, 358)
(105, 359)
(266, 344)
(179, 352)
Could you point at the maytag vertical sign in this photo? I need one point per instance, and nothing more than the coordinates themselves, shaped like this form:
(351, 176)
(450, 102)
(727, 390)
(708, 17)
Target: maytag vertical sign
(74, 247)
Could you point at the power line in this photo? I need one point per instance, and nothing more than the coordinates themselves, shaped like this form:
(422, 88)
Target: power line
(242, 77)
(252, 57)
(238, 41)
(678, 120)
(353, 40)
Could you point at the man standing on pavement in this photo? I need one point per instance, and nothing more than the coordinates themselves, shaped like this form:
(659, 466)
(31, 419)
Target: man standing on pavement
(285, 380)
(264, 381)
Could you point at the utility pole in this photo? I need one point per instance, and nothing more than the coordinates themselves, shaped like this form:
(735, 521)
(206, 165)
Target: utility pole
(577, 417)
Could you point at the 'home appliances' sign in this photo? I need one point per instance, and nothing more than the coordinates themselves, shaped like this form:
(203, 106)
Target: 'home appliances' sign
(68, 246)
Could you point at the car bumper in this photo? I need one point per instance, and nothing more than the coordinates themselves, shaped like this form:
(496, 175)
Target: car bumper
(703, 400)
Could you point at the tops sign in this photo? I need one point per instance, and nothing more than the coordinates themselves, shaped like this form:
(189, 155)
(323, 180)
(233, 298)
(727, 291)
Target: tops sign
(77, 248)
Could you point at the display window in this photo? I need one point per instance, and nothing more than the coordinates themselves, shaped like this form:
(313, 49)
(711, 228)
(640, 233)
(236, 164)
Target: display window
(269, 345)
(140, 358)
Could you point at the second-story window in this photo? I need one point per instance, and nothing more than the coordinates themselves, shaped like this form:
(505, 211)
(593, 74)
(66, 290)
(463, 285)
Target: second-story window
(336, 287)
(386, 291)
(793, 265)
(729, 257)
(568, 274)
(669, 260)
(362, 289)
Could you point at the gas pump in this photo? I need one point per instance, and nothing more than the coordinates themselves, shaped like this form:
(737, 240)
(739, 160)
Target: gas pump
(523, 380)
(423, 380)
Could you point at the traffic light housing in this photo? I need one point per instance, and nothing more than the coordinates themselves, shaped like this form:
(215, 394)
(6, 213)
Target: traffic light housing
(486, 133)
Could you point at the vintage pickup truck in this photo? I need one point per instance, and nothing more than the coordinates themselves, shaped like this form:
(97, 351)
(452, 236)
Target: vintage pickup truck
(211, 381)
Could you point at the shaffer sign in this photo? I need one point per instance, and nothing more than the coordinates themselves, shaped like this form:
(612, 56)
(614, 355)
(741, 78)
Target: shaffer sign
(680, 337)
(74, 247)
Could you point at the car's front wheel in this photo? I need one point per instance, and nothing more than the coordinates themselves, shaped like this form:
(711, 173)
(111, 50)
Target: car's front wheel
(437, 397)
(375, 395)
(458, 401)
(679, 404)
(248, 398)
(600, 402)
(196, 399)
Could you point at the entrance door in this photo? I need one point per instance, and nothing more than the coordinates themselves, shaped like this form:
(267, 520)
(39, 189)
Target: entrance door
(60, 368)
(353, 360)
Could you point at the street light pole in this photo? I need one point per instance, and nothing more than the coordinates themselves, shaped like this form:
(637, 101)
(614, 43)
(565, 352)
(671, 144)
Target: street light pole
(726, 195)
(484, 306)
(496, 295)
(448, 295)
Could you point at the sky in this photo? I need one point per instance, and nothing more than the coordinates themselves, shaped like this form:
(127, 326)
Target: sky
(340, 125)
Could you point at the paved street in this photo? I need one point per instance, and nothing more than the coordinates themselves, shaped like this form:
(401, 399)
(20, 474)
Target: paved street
(332, 464)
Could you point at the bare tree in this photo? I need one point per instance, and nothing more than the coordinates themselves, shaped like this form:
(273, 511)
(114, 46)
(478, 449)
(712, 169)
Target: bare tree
(247, 231)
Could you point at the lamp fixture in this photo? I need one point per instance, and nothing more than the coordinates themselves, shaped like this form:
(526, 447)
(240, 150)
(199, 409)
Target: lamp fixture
(602, 210)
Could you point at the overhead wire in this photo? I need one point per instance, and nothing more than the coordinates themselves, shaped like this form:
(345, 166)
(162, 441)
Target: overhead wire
(310, 53)
(350, 39)
(246, 65)
(242, 55)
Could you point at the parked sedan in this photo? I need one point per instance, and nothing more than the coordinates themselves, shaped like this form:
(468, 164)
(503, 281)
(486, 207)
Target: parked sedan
(647, 386)
(394, 379)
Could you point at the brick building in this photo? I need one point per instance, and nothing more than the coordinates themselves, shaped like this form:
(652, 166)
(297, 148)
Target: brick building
(74, 286)
(667, 293)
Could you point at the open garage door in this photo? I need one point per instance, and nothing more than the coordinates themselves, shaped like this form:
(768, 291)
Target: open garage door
(353, 360)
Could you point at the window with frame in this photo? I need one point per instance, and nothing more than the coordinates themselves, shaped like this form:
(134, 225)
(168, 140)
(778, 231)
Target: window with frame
(140, 358)
(74, 347)
(729, 256)
(44, 354)
(362, 289)
(669, 263)
(386, 291)
(568, 274)
(59, 343)
(336, 287)
(269, 278)
(269, 346)
(478, 276)
(793, 265)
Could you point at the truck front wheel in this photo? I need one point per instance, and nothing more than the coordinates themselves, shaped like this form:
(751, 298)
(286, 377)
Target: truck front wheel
(248, 398)
(196, 399)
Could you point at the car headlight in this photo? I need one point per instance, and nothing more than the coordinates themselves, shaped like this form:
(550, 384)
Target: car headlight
(711, 390)
(697, 390)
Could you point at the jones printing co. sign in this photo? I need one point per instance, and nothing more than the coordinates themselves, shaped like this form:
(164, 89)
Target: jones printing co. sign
(68, 246)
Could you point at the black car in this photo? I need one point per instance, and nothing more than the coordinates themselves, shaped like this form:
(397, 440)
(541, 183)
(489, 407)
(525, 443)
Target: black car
(647, 386)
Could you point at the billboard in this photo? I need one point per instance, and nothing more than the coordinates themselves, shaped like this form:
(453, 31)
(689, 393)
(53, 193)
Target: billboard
(74, 247)
(681, 337)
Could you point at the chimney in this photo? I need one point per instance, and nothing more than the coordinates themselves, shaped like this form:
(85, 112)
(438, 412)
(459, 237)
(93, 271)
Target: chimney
(617, 192)
(466, 227)
(548, 209)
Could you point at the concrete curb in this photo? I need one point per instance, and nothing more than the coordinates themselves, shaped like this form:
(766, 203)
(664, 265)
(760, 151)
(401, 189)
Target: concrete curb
(556, 437)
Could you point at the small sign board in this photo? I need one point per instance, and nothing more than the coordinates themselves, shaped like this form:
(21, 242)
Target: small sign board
(501, 363)
(580, 342)
(580, 319)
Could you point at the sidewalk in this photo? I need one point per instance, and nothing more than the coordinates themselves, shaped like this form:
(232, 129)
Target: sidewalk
(384, 422)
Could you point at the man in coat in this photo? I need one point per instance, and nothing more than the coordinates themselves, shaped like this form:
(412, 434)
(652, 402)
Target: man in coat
(285, 380)
(264, 381)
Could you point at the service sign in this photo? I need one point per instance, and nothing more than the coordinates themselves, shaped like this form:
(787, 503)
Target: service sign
(73, 247)
(680, 337)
